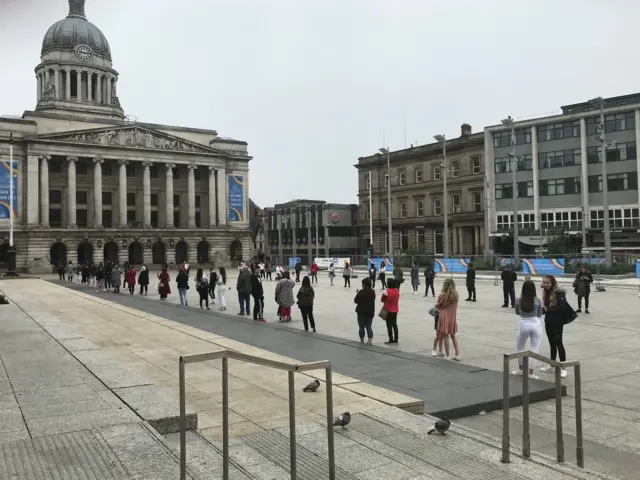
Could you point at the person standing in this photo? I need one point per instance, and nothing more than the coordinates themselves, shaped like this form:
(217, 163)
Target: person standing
(365, 301)
(398, 276)
(182, 282)
(164, 288)
(131, 279)
(390, 299)
(262, 269)
(346, 275)
(471, 283)
(314, 272)
(415, 278)
(125, 274)
(269, 269)
(213, 282)
(257, 292)
(372, 274)
(222, 286)
(305, 302)
(509, 277)
(116, 279)
(100, 278)
(70, 271)
(92, 273)
(243, 286)
(332, 273)
(202, 287)
(284, 296)
(143, 280)
(298, 269)
(383, 275)
(108, 271)
(429, 280)
(529, 308)
(582, 288)
(61, 271)
(447, 305)
(554, 306)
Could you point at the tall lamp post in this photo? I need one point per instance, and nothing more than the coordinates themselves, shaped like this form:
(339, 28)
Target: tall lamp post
(508, 122)
(385, 150)
(370, 215)
(445, 195)
(11, 271)
(599, 103)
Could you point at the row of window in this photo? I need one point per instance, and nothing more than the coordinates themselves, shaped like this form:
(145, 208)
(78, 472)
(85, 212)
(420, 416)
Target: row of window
(618, 218)
(616, 182)
(503, 139)
(82, 168)
(453, 206)
(612, 123)
(82, 218)
(504, 164)
(615, 153)
(421, 243)
(82, 198)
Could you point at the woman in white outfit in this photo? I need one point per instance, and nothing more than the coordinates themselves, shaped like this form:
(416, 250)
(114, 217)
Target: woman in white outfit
(529, 308)
(222, 286)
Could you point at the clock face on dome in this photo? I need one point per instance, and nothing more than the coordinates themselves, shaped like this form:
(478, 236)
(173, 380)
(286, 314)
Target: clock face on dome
(83, 52)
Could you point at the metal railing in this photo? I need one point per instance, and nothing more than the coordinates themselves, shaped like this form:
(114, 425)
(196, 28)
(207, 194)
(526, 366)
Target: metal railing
(291, 368)
(526, 438)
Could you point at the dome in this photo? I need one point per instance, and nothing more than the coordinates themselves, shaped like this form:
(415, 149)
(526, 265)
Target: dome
(76, 30)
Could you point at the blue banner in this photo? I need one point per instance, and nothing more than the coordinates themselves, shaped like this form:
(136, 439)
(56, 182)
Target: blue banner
(8, 173)
(588, 261)
(638, 268)
(451, 265)
(293, 261)
(377, 261)
(543, 266)
(236, 198)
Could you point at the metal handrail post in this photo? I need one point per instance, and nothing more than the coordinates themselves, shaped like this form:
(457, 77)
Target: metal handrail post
(578, 395)
(292, 425)
(330, 445)
(183, 422)
(526, 437)
(559, 434)
(225, 418)
(505, 411)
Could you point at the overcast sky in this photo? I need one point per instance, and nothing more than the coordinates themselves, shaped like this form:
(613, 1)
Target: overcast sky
(311, 86)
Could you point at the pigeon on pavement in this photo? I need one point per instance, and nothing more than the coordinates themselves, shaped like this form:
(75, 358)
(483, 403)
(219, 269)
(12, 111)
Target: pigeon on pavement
(312, 387)
(343, 420)
(441, 426)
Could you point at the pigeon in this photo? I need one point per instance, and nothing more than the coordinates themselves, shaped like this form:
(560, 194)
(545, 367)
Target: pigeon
(312, 387)
(441, 426)
(343, 420)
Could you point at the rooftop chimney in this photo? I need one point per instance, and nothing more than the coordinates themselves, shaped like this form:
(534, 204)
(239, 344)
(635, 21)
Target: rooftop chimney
(466, 130)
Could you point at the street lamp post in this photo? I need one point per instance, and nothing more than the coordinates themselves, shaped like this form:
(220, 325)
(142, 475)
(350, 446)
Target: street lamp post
(11, 271)
(599, 103)
(370, 214)
(445, 195)
(385, 150)
(508, 122)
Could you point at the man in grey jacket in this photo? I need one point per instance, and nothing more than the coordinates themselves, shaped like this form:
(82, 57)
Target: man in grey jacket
(244, 290)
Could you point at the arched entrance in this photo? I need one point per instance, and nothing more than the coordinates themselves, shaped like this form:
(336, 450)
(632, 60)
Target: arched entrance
(85, 253)
(236, 250)
(58, 253)
(159, 253)
(182, 252)
(203, 252)
(135, 254)
(111, 252)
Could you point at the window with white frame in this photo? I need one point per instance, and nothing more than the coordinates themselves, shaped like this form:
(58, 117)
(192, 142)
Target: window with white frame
(367, 212)
(437, 205)
(503, 222)
(436, 172)
(368, 180)
(527, 220)
(418, 174)
(475, 164)
(404, 240)
(455, 203)
(386, 209)
(477, 201)
(618, 218)
(402, 176)
(386, 180)
(455, 168)
(421, 240)
(438, 241)
(403, 210)
(420, 208)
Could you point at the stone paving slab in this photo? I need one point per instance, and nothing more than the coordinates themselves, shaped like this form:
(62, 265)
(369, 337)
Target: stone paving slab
(475, 388)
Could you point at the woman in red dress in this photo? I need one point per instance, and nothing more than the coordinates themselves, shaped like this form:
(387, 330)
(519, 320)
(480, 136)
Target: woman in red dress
(131, 279)
(163, 283)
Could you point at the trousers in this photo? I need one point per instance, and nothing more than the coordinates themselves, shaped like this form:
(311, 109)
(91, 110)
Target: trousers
(529, 329)
(554, 335)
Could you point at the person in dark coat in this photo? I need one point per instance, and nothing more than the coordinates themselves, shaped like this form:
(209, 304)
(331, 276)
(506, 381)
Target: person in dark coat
(373, 272)
(471, 283)
(365, 301)
(509, 277)
(429, 280)
(257, 292)
(182, 282)
(243, 286)
(163, 283)
(298, 269)
(143, 280)
(582, 288)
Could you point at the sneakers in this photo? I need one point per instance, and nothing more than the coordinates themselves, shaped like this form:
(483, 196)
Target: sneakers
(434, 353)
(546, 368)
(534, 377)
(456, 358)
(240, 313)
(467, 299)
(579, 310)
(563, 373)
(442, 354)
(505, 305)
(586, 310)
(516, 372)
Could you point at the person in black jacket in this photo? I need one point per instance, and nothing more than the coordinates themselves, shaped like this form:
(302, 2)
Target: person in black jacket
(429, 279)
(471, 283)
(143, 280)
(373, 271)
(298, 269)
(509, 277)
(365, 300)
(243, 286)
(582, 288)
(257, 292)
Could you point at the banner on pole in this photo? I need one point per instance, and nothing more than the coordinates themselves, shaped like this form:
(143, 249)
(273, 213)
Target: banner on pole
(8, 173)
(543, 266)
(451, 265)
(236, 198)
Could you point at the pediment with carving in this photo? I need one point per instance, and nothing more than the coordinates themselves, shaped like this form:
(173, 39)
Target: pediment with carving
(127, 137)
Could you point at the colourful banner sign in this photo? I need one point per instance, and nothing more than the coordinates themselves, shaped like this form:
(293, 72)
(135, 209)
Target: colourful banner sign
(236, 198)
(451, 265)
(293, 261)
(638, 268)
(377, 261)
(543, 266)
(588, 261)
(8, 174)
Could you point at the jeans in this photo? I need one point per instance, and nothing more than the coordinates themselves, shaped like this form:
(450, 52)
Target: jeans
(307, 317)
(554, 335)
(586, 301)
(392, 326)
(373, 281)
(245, 302)
(314, 277)
(429, 283)
(364, 323)
(529, 329)
(509, 294)
(221, 290)
(331, 277)
(183, 296)
(258, 308)
(347, 281)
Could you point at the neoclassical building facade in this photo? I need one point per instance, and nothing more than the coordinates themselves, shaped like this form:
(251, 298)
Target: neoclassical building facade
(91, 185)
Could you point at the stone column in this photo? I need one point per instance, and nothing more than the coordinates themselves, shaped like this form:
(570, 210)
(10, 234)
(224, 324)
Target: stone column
(78, 85)
(97, 191)
(221, 201)
(89, 86)
(71, 191)
(146, 194)
(39, 81)
(107, 86)
(67, 84)
(212, 198)
(33, 198)
(44, 191)
(122, 193)
(192, 196)
(477, 240)
(56, 79)
(99, 88)
(169, 189)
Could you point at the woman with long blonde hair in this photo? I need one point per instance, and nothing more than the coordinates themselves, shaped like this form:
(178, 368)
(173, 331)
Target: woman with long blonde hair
(554, 306)
(447, 305)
